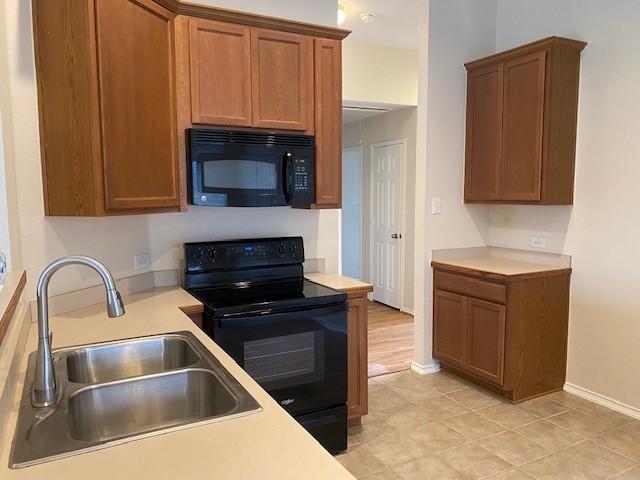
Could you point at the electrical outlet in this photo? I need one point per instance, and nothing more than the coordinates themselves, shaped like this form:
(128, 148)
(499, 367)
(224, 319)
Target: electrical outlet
(435, 206)
(141, 261)
(538, 242)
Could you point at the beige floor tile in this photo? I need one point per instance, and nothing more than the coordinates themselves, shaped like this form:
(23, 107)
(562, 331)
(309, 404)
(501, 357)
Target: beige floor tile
(623, 441)
(549, 435)
(513, 448)
(567, 399)
(556, 467)
(407, 417)
(544, 406)
(444, 383)
(415, 392)
(436, 436)
(633, 474)
(438, 408)
(597, 459)
(581, 423)
(385, 397)
(395, 448)
(369, 431)
(474, 399)
(384, 475)
(605, 414)
(511, 474)
(474, 425)
(511, 416)
(473, 461)
(427, 468)
(360, 461)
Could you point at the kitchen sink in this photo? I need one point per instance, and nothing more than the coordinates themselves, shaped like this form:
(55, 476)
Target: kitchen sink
(116, 392)
(131, 358)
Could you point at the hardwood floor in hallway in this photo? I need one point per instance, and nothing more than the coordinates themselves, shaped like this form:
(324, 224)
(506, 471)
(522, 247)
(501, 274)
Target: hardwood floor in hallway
(390, 339)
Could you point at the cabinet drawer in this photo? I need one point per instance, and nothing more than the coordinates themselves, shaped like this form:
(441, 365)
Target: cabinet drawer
(471, 287)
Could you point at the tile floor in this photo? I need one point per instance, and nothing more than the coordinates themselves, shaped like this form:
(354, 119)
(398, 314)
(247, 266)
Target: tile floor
(439, 427)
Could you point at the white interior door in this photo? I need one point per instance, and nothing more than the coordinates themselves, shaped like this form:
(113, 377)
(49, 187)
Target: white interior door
(386, 208)
(351, 208)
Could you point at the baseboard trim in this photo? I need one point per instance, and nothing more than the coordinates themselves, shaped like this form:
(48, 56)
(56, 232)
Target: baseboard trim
(425, 369)
(410, 311)
(603, 400)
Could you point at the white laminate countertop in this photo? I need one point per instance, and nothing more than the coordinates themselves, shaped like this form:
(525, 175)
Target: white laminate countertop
(338, 282)
(266, 445)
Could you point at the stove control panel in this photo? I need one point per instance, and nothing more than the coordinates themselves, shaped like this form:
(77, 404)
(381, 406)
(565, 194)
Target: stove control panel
(232, 254)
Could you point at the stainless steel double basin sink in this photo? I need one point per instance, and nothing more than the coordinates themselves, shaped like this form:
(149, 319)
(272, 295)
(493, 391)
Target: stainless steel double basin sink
(115, 392)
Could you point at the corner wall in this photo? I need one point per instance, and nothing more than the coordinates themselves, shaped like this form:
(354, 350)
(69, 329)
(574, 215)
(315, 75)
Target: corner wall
(453, 32)
(394, 125)
(602, 228)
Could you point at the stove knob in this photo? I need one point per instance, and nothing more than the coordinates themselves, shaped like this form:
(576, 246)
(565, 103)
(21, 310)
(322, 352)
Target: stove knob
(198, 254)
(213, 252)
(281, 249)
(293, 249)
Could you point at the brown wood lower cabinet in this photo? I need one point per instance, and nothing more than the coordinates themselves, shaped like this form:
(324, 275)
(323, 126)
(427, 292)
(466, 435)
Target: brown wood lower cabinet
(513, 343)
(357, 372)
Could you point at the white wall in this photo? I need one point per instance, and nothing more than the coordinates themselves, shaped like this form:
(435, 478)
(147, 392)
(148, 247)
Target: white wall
(5, 240)
(602, 228)
(378, 74)
(456, 31)
(393, 125)
(115, 240)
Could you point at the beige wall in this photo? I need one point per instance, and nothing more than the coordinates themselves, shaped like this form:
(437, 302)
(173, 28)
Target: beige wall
(602, 228)
(116, 240)
(395, 125)
(378, 74)
(452, 32)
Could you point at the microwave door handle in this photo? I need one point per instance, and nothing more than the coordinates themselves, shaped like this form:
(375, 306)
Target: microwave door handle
(286, 175)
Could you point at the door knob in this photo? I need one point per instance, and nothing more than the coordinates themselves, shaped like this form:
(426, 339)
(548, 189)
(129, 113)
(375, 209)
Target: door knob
(394, 235)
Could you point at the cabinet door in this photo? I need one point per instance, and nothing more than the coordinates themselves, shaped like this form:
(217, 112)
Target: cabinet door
(220, 61)
(282, 69)
(449, 327)
(137, 104)
(485, 340)
(484, 134)
(357, 357)
(328, 122)
(524, 86)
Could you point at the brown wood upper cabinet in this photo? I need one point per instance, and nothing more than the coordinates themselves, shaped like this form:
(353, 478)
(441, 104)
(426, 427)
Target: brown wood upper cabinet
(107, 107)
(521, 124)
(220, 61)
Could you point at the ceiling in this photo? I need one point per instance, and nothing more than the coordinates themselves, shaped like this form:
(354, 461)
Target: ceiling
(395, 25)
(355, 114)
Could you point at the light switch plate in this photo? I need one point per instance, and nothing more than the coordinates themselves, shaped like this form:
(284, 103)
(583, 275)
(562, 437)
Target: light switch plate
(538, 242)
(435, 206)
(141, 261)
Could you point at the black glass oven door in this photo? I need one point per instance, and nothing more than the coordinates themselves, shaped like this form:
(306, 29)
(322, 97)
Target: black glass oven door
(300, 357)
(239, 177)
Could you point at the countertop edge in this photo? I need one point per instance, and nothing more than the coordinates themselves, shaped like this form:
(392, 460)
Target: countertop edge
(9, 298)
(440, 265)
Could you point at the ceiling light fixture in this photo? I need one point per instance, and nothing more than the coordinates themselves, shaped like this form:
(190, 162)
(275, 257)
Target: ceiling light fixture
(367, 17)
(342, 15)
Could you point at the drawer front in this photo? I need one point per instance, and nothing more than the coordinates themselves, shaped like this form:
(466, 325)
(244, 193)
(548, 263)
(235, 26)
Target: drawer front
(471, 287)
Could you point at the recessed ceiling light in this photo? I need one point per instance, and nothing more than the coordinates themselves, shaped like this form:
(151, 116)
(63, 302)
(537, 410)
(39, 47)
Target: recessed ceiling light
(367, 17)
(342, 15)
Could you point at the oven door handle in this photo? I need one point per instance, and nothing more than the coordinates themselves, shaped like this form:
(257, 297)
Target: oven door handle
(249, 313)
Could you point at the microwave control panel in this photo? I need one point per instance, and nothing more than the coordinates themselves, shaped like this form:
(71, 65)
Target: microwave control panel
(301, 188)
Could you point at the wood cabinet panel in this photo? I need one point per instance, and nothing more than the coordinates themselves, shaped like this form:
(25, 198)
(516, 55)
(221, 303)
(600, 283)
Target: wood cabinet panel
(328, 123)
(357, 372)
(483, 153)
(526, 154)
(523, 125)
(137, 103)
(220, 60)
(474, 287)
(485, 340)
(281, 69)
(449, 327)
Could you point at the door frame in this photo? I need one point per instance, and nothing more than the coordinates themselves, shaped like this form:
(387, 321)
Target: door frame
(403, 170)
(357, 148)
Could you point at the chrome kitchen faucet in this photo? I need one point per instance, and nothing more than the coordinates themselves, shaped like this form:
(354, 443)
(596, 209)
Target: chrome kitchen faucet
(44, 392)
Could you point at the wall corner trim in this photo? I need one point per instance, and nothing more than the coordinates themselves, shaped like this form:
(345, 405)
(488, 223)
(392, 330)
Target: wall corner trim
(603, 400)
(425, 369)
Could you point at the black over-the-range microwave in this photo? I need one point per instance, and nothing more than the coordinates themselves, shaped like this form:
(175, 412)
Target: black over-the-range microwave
(243, 168)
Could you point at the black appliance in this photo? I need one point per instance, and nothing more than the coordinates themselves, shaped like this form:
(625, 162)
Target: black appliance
(241, 168)
(288, 333)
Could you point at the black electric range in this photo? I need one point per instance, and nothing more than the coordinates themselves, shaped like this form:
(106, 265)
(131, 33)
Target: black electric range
(288, 333)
